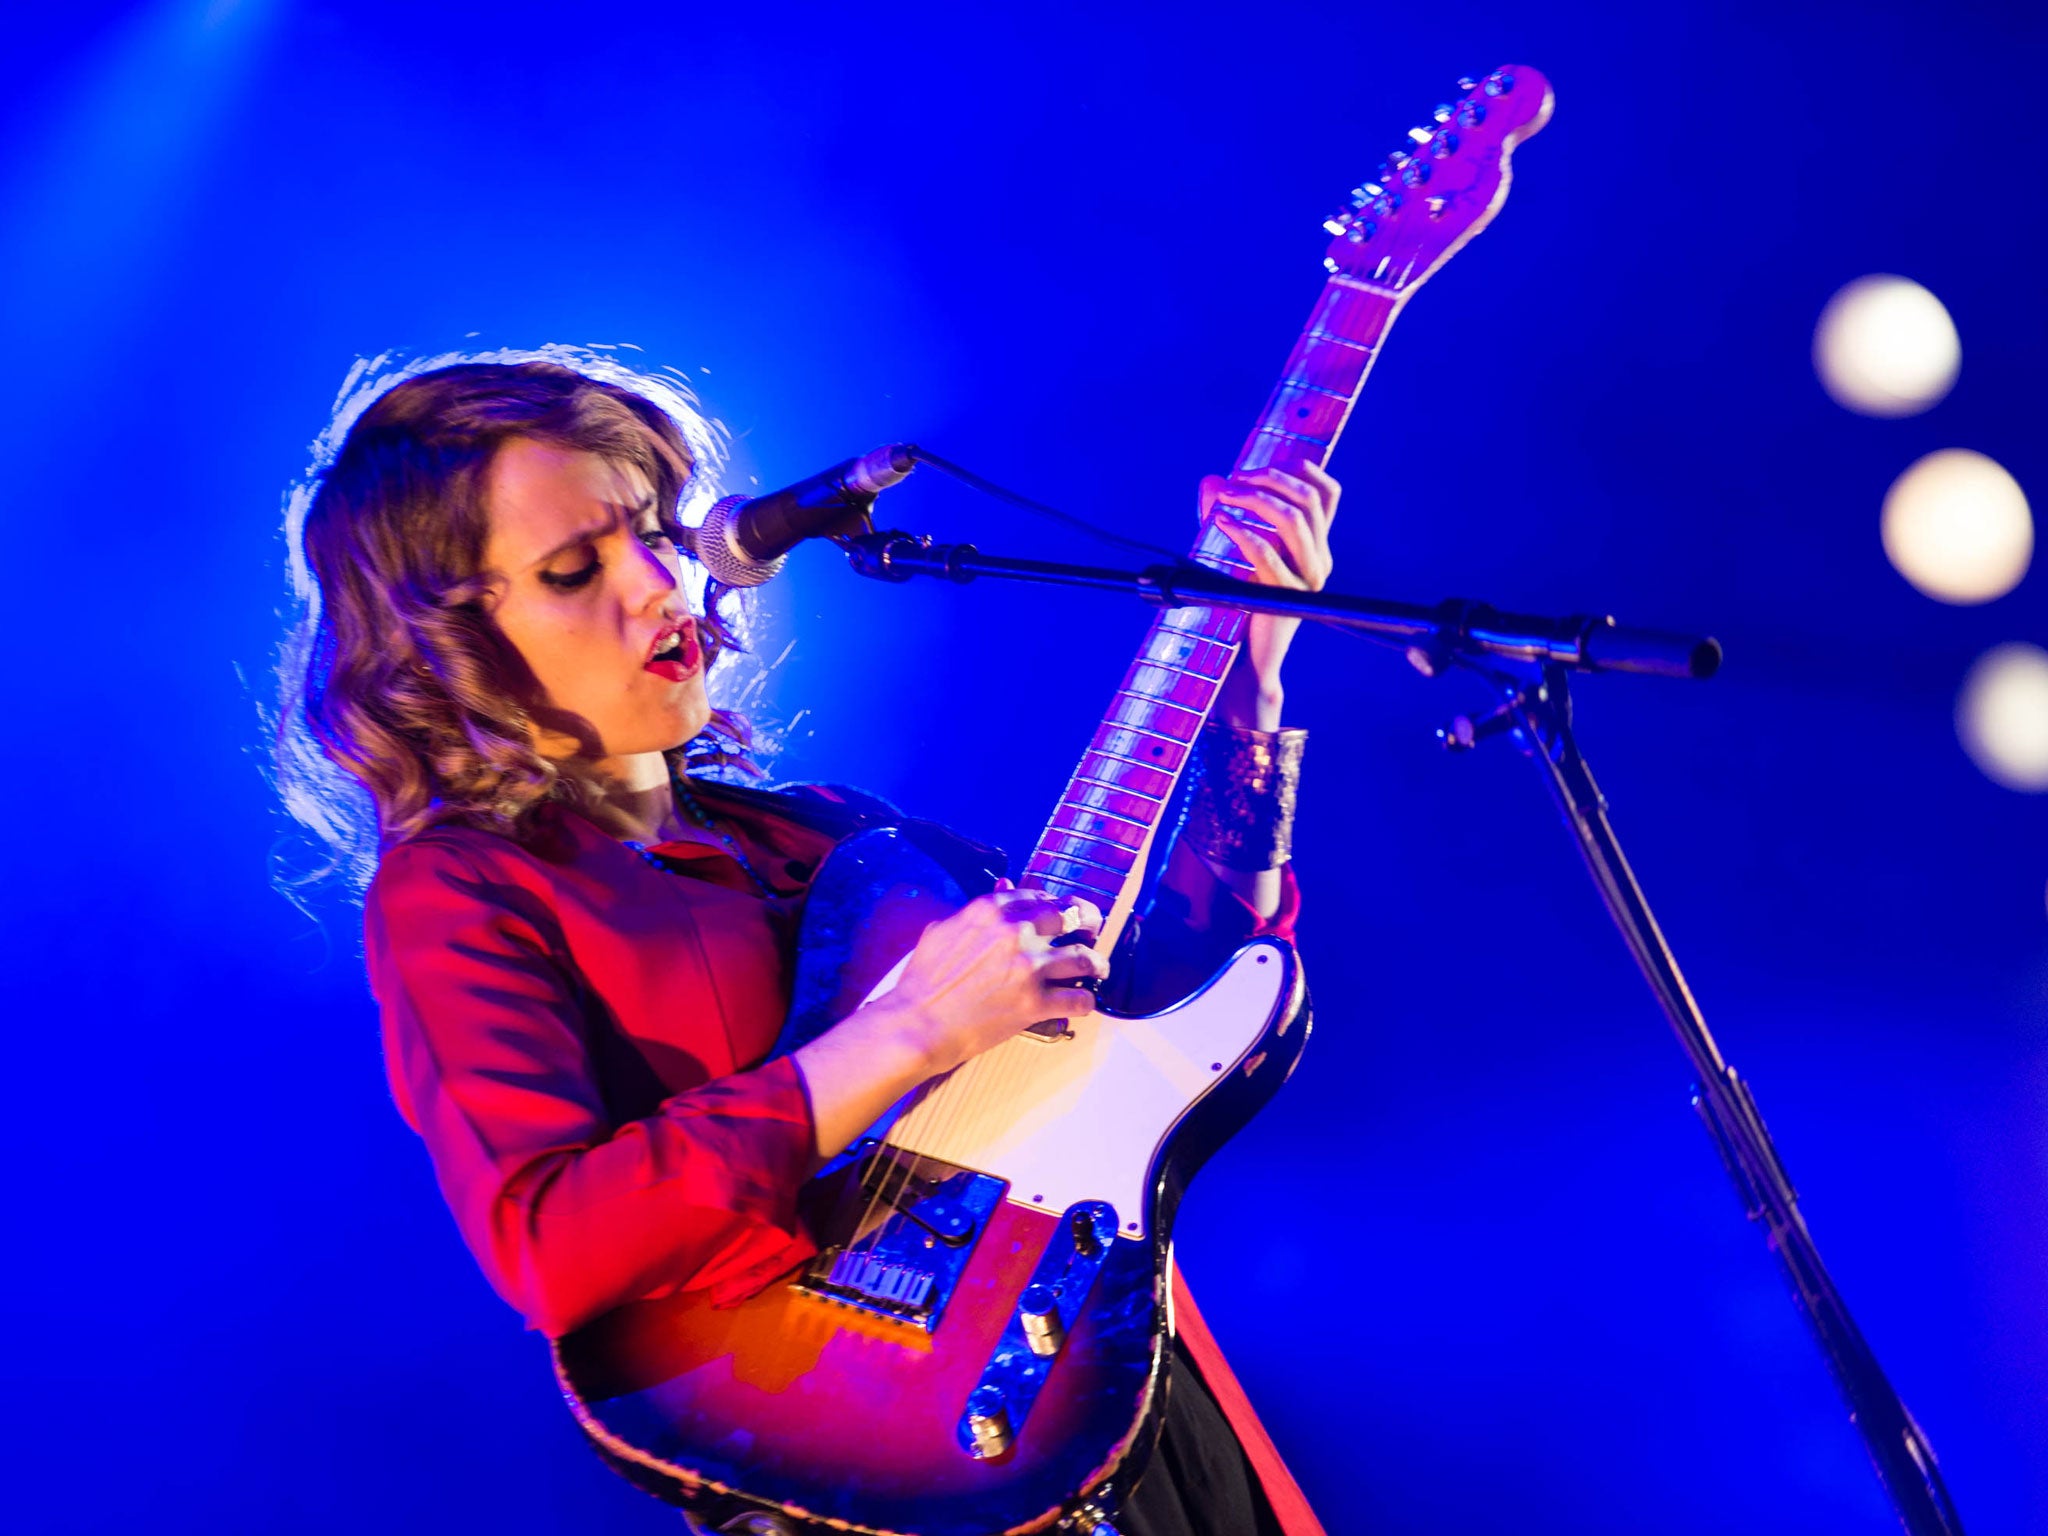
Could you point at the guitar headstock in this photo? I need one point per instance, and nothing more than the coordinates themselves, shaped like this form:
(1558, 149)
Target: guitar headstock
(1439, 189)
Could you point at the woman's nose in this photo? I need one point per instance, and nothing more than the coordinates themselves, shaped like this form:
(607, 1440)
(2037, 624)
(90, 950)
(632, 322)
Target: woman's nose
(651, 578)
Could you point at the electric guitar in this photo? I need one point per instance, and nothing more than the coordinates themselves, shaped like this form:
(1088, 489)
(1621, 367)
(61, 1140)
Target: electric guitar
(980, 1343)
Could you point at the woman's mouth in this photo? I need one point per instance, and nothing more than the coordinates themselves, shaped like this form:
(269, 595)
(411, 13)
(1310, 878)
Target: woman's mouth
(675, 654)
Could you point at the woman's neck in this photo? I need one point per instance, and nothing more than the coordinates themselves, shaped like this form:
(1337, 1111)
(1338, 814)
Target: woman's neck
(628, 797)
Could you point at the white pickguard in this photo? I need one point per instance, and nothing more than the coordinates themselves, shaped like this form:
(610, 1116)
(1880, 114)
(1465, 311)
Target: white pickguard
(1083, 1118)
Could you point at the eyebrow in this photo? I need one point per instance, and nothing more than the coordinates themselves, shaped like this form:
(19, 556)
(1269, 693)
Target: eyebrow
(585, 535)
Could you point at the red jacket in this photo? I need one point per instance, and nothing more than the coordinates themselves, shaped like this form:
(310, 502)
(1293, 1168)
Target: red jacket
(580, 1039)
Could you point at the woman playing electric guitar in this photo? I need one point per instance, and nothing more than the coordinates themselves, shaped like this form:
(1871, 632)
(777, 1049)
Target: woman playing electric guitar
(583, 952)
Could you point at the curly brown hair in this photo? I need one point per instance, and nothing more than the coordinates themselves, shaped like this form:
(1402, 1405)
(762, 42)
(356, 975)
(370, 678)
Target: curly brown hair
(398, 677)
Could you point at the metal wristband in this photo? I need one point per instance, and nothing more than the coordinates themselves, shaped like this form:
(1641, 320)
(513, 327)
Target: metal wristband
(1242, 797)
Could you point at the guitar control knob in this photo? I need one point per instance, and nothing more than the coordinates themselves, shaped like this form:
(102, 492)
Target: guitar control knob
(988, 1421)
(1039, 1310)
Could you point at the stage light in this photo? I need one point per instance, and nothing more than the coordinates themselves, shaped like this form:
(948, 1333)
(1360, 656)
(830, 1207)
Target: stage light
(1956, 525)
(1885, 346)
(2002, 715)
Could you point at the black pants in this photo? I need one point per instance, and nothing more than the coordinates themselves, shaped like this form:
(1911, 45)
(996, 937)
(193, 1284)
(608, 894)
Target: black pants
(1199, 1483)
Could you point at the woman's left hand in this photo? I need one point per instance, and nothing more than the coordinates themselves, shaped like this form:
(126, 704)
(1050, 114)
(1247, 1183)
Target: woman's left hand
(1280, 523)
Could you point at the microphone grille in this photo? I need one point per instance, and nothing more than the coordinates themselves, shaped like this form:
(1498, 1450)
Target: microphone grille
(719, 551)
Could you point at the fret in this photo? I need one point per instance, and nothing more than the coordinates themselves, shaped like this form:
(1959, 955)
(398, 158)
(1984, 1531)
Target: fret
(1342, 340)
(1123, 757)
(1314, 417)
(1127, 835)
(1075, 887)
(1069, 845)
(1193, 618)
(1195, 623)
(1122, 789)
(1308, 388)
(1353, 308)
(1183, 690)
(1131, 830)
(1194, 653)
(1156, 702)
(1045, 867)
(1360, 285)
(1151, 716)
(1299, 437)
(1163, 665)
(1120, 742)
(1151, 784)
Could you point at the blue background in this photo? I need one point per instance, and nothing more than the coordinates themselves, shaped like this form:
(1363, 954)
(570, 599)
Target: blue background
(1478, 1266)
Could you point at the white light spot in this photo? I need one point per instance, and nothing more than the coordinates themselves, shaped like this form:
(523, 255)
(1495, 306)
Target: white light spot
(1886, 347)
(1956, 525)
(2002, 715)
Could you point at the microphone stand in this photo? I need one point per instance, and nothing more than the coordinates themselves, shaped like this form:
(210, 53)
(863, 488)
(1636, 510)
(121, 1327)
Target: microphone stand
(1536, 714)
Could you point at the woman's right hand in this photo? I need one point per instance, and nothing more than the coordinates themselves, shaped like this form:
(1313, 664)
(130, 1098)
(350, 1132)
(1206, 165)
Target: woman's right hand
(975, 979)
(992, 969)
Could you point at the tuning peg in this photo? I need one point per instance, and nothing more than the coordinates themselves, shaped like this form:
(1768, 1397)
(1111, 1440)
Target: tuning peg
(1467, 83)
(1444, 144)
(1338, 222)
(1415, 172)
(1372, 189)
(1443, 112)
(1471, 113)
(1419, 135)
(1499, 83)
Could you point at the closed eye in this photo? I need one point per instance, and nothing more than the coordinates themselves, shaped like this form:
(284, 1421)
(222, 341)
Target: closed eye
(570, 581)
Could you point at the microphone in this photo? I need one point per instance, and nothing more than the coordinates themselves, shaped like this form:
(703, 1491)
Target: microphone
(742, 542)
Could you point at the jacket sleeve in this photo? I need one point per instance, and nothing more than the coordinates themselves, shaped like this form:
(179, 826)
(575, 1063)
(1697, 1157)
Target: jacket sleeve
(488, 1044)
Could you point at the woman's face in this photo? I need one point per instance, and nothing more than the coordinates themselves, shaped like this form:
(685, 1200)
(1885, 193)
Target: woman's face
(588, 588)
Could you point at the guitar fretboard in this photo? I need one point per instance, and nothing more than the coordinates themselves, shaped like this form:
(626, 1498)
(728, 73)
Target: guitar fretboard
(1097, 841)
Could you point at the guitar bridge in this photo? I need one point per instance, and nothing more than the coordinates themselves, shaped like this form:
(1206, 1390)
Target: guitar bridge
(905, 1227)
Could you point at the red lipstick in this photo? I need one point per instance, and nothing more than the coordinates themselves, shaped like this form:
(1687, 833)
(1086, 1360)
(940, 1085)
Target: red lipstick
(675, 653)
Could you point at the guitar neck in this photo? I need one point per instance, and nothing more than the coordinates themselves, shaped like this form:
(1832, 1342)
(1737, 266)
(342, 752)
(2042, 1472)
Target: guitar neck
(1102, 831)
